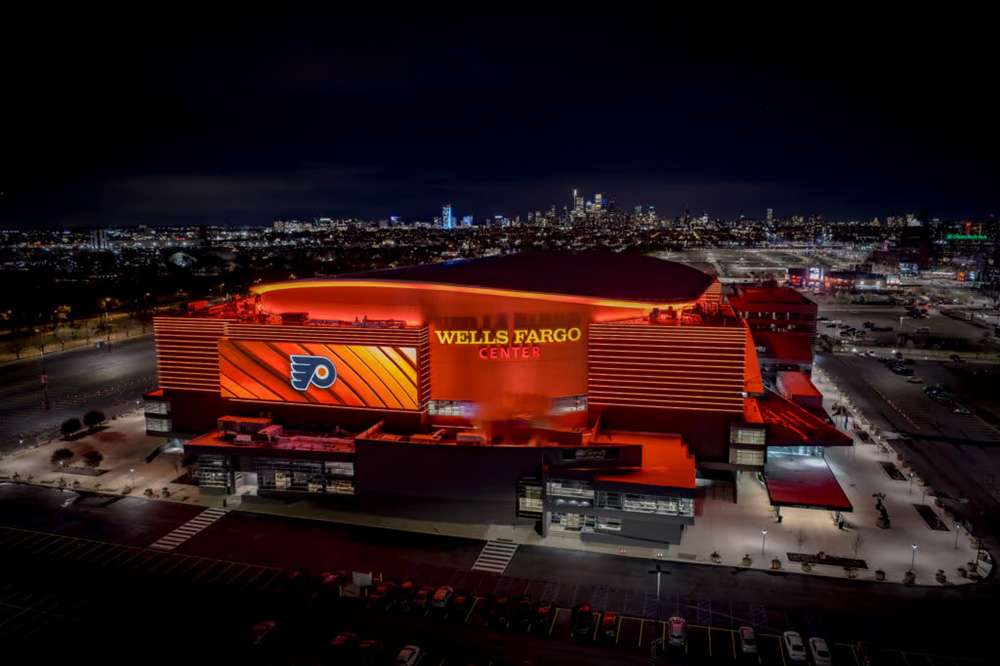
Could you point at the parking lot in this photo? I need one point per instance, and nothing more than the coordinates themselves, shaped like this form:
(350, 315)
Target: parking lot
(711, 637)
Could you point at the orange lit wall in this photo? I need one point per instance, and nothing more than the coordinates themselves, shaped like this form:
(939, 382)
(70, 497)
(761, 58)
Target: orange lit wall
(371, 376)
(503, 385)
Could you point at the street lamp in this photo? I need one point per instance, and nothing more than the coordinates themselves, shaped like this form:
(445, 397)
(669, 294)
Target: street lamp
(912, 474)
(763, 540)
(913, 558)
(659, 572)
(957, 525)
(131, 472)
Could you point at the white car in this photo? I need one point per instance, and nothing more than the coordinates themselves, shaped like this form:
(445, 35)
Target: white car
(410, 655)
(914, 380)
(794, 647)
(748, 641)
(677, 631)
(820, 652)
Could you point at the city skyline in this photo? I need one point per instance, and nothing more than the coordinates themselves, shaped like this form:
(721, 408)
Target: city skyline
(259, 118)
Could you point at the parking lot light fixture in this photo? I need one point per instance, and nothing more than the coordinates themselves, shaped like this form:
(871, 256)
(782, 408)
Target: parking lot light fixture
(763, 540)
(913, 558)
(957, 527)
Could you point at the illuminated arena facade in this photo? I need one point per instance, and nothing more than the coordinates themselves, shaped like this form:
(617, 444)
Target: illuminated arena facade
(582, 392)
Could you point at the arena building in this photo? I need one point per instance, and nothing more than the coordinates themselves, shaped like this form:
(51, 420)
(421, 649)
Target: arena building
(584, 392)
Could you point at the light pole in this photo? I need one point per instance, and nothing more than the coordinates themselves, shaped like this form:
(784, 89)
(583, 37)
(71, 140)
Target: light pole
(912, 474)
(957, 525)
(659, 572)
(763, 540)
(107, 321)
(131, 471)
(913, 558)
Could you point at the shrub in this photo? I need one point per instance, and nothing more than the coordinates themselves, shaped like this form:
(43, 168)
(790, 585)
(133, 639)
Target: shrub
(69, 426)
(93, 458)
(61, 455)
(94, 418)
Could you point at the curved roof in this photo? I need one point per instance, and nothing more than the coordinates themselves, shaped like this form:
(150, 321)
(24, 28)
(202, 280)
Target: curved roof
(593, 274)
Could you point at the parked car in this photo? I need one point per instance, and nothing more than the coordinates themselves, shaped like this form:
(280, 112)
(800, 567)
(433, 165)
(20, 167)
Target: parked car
(263, 632)
(403, 597)
(748, 641)
(442, 596)
(421, 600)
(368, 651)
(498, 612)
(960, 409)
(344, 642)
(820, 652)
(410, 655)
(543, 617)
(914, 380)
(676, 631)
(794, 647)
(331, 584)
(608, 629)
(382, 595)
(461, 604)
(522, 614)
(582, 621)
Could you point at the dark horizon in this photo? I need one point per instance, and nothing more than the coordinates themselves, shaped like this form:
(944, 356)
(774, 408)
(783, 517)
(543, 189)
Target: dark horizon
(242, 120)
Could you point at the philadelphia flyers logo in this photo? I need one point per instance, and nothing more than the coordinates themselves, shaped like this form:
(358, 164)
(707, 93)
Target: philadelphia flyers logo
(316, 370)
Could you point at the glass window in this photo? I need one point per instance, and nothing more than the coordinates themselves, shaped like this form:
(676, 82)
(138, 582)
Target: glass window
(609, 500)
(747, 435)
(340, 468)
(460, 408)
(569, 404)
(158, 424)
(156, 407)
(571, 489)
(663, 505)
(610, 524)
(746, 457)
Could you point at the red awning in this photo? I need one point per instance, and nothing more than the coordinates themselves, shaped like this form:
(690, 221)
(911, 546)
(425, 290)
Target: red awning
(803, 481)
(791, 425)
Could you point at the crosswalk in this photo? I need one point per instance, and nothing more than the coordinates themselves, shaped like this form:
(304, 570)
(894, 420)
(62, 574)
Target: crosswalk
(495, 556)
(189, 529)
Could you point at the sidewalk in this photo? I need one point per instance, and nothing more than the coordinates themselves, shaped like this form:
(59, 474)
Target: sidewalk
(732, 530)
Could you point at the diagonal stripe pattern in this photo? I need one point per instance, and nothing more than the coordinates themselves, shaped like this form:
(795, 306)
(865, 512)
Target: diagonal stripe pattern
(181, 534)
(495, 556)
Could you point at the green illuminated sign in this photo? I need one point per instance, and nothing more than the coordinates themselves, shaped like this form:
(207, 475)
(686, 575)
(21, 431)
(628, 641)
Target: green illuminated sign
(980, 237)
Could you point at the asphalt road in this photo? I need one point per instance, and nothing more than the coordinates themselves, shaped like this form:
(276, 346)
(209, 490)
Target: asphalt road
(714, 599)
(79, 380)
(957, 454)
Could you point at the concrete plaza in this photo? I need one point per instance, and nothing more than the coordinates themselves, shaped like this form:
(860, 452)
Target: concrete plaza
(732, 530)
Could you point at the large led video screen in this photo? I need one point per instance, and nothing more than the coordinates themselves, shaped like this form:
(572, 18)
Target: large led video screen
(369, 376)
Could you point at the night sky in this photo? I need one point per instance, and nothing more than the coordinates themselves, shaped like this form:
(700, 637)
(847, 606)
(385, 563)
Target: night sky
(161, 118)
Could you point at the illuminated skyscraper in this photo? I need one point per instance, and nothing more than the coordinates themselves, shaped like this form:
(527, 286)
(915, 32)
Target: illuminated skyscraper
(770, 215)
(578, 205)
(447, 220)
(466, 220)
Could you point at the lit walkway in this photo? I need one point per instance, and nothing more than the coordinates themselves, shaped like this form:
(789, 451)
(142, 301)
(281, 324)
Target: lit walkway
(495, 556)
(189, 529)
